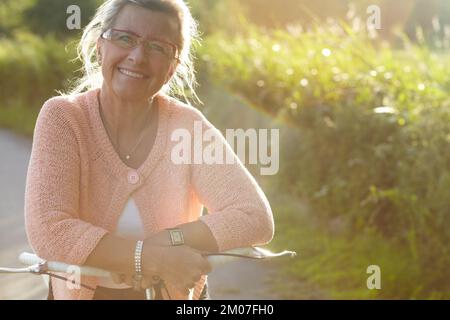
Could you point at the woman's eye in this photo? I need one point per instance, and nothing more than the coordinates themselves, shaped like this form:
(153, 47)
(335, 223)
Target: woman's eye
(156, 47)
(125, 38)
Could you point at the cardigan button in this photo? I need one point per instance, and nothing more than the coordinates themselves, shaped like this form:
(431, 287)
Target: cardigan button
(133, 177)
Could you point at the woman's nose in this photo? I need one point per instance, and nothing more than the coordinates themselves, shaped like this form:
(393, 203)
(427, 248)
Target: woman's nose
(137, 54)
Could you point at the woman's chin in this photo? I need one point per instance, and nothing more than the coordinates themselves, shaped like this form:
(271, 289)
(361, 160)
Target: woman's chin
(131, 94)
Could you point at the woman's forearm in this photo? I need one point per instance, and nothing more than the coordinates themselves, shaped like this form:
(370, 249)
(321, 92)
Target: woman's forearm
(113, 253)
(196, 235)
(117, 254)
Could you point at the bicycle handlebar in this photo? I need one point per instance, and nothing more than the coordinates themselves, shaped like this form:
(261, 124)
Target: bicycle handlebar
(31, 259)
(215, 259)
(38, 266)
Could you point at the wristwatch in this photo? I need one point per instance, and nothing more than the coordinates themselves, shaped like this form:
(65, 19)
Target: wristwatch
(176, 236)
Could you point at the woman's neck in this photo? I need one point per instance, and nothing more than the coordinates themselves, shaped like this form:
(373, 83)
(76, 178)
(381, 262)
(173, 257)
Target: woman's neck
(126, 119)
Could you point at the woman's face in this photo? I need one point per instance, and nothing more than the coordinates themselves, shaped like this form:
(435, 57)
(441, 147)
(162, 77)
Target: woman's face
(148, 74)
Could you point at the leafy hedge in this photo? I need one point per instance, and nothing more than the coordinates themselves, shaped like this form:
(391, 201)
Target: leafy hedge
(31, 70)
(370, 149)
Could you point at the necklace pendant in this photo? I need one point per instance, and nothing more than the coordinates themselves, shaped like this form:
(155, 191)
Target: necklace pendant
(127, 157)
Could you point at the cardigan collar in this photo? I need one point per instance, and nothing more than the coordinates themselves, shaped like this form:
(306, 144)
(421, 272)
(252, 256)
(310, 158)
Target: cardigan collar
(106, 150)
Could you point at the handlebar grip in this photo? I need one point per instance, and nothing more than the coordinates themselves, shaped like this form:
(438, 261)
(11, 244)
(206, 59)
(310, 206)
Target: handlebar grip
(216, 261)
(246, 252)
(30, 259)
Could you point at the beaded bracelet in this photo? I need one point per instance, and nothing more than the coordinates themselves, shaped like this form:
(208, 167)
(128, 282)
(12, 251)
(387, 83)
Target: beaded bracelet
(138, 276)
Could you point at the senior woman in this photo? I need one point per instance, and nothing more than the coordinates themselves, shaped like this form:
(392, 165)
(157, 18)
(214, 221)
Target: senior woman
(103, 188)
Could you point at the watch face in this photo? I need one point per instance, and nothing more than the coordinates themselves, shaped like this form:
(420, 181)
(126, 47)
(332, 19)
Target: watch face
(177, 237)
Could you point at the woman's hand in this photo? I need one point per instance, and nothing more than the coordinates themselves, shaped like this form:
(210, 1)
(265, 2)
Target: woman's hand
(162, 238)
(121, 278)
(181, 266)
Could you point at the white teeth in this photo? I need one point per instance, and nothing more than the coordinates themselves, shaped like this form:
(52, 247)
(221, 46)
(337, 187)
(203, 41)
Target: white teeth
(131, 74)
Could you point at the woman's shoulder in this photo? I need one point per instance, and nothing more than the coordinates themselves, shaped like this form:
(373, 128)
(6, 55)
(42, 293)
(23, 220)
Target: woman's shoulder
(65, 103)
(63, 109)
(182, 112)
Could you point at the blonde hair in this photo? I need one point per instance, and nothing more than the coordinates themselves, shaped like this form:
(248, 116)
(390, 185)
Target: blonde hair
(183, 79)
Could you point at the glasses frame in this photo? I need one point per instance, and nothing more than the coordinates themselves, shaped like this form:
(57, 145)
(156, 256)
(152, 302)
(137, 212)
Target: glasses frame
(141, 40)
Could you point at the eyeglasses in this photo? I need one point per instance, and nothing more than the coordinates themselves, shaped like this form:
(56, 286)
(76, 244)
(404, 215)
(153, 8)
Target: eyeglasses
(152, 47)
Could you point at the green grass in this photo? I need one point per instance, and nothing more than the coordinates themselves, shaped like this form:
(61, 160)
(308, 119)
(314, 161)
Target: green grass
(332, 265)
(376, 181)
(289, 74)
(31, 70)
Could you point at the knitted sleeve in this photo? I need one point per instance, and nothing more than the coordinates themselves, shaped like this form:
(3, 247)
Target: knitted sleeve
(239, 214)
(52, 220)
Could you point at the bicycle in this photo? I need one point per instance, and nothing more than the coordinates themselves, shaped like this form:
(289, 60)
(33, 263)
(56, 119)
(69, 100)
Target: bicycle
(38, 266)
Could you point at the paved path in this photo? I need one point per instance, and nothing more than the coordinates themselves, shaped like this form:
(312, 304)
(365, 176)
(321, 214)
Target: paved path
(15, 154)
(236, 280)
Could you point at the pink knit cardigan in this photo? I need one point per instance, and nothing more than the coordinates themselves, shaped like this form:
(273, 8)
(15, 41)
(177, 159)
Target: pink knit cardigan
(77, 187)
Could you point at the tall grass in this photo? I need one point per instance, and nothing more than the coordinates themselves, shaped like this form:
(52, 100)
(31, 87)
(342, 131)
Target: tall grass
(32, 69)
(369, 150)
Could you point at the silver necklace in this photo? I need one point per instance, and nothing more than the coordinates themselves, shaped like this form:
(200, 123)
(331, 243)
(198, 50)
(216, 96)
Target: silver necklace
(128, 154)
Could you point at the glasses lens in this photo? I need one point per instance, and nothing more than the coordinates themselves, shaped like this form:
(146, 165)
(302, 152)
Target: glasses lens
(152, 47)
(157, 47)
(124, 39)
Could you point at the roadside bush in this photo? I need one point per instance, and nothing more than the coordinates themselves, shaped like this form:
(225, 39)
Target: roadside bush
(32, 69)
(370, 149)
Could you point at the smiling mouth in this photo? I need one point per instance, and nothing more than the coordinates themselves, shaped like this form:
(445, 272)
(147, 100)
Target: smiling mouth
(132, 74)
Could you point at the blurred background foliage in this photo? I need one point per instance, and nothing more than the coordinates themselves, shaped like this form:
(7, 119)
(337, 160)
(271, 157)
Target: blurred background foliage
(364, 116)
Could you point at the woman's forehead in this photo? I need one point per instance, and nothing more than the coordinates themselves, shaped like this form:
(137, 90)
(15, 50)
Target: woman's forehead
(148, 23)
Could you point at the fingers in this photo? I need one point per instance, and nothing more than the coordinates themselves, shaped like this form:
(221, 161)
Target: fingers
(116, 278)
(146, 283)
(182, 267)
(202, 262)
(185, 281)
(185, 290)
(128, 280)
(206, 266)
(197, 278)
(119, 278)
